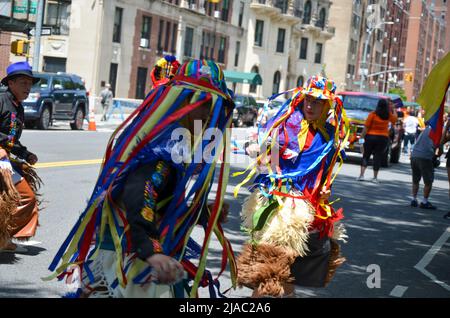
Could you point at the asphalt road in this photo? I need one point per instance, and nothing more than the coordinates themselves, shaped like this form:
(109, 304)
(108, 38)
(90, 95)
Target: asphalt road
(408, 248)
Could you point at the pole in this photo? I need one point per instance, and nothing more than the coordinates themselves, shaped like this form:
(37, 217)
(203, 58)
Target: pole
(385, 82)
(366, 44)
(37, 35)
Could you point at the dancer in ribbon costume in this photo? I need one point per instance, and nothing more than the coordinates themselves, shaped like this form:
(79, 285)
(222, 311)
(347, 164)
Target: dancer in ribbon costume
(164, 69)
(134, 238)
(288, 215)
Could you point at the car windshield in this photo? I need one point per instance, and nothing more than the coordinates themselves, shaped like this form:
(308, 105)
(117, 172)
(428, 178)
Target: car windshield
(364, 103)
(239, 100)
(43, 83)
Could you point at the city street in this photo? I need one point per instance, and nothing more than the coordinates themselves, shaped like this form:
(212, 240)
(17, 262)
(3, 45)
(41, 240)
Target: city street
(408, 247)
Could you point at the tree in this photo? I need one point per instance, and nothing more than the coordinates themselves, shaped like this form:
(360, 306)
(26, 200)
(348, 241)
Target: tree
(398, 91)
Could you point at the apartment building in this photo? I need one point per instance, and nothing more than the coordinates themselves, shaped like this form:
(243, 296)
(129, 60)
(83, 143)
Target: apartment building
(124, 39)
(284, 43)
(426, 43)
(360, 29)
(54, 47)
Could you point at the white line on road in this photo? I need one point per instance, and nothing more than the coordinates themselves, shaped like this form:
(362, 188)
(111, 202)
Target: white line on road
(398, 291)
(426, 259)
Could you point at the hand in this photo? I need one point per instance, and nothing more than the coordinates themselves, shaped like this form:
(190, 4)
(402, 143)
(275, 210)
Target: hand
(32, 158)
(166, 268)
(3, 153)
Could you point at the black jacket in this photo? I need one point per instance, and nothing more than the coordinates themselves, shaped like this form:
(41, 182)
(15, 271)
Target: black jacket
(8, 106)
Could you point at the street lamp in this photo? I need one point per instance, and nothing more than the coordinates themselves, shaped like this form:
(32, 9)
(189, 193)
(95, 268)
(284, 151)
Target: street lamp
(363, 63)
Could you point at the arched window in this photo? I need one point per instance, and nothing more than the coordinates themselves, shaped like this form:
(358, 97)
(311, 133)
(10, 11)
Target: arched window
(276, 82)
(300, 81)
(252, 86)
(307, 13)
(321, 21)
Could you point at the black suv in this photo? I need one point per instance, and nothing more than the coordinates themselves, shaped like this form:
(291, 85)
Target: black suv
(246, 110)
(57, 96)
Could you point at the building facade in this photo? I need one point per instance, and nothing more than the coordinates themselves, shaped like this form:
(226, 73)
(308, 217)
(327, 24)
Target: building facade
(284, 43)
(360, 30)
(126, 38)
(426, 43)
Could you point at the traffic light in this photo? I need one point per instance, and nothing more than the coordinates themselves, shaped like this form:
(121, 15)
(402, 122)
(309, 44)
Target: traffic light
(20, 47)
(408, 77)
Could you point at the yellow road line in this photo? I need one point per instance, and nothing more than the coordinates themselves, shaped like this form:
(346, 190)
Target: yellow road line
(67, 163)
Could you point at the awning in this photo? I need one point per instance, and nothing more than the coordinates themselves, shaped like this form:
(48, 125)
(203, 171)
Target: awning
(242, 77)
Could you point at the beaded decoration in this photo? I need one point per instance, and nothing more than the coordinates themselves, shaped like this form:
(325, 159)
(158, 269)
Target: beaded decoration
(150, 195)
(12, 131)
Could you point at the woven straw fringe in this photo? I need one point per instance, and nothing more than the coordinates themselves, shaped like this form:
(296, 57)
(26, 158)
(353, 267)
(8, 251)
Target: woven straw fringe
(9, 200)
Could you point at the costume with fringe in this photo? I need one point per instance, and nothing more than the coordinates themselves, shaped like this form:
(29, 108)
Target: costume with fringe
(146, 138)
(19, 181)
(164, 70)
(293, 230)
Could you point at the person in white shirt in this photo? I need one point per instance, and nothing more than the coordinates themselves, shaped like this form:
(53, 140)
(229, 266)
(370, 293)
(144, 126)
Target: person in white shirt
(410, 125)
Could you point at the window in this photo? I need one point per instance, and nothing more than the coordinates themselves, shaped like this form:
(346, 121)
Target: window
(57, 15)
(304, 48)
(252, 86)
(321, 21)
(353, 46)
(297, 8)
(300, 81)
(282, 5)
(236, 55)
(241, 14)
(225, 10)
(221, 57)
(276, 82)
(280, 40)
(355, 21)
(141, 82)
(259, 29)
(117, 25)
(173, 46)
(166, 42)
(318, 55)
(307, 13)
(189, 35)
(160, 35)
(146, 31)
(113, 77)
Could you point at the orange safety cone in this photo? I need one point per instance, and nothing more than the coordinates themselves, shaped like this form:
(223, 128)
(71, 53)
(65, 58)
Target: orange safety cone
(92, 125)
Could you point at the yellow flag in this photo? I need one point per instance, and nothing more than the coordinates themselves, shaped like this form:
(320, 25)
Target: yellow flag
(213, 1)
(435, 87)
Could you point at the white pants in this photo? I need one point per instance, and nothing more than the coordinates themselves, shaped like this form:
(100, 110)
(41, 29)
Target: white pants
(104, 270)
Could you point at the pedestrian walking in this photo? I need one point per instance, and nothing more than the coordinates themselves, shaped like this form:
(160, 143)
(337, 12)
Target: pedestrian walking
(18, 180)
(410, 124)
(134, 238)
(422, 167)
(106, 101)
(376, 136)
(293, 229)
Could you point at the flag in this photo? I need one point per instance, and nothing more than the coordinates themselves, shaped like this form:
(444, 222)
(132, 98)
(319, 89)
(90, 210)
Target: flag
(432, 97)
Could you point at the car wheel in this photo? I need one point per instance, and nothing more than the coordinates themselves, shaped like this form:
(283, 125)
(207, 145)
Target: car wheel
(44, 120)
(30, 124)
(79, 119)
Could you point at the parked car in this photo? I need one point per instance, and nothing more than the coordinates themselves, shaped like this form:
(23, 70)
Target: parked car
(246, 110)
(358, 106)
(57, 96)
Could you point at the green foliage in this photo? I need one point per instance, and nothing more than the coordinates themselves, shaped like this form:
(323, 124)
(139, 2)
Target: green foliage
(398, 91)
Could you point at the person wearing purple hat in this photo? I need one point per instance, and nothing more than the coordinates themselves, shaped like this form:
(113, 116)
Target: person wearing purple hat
(18, 181)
